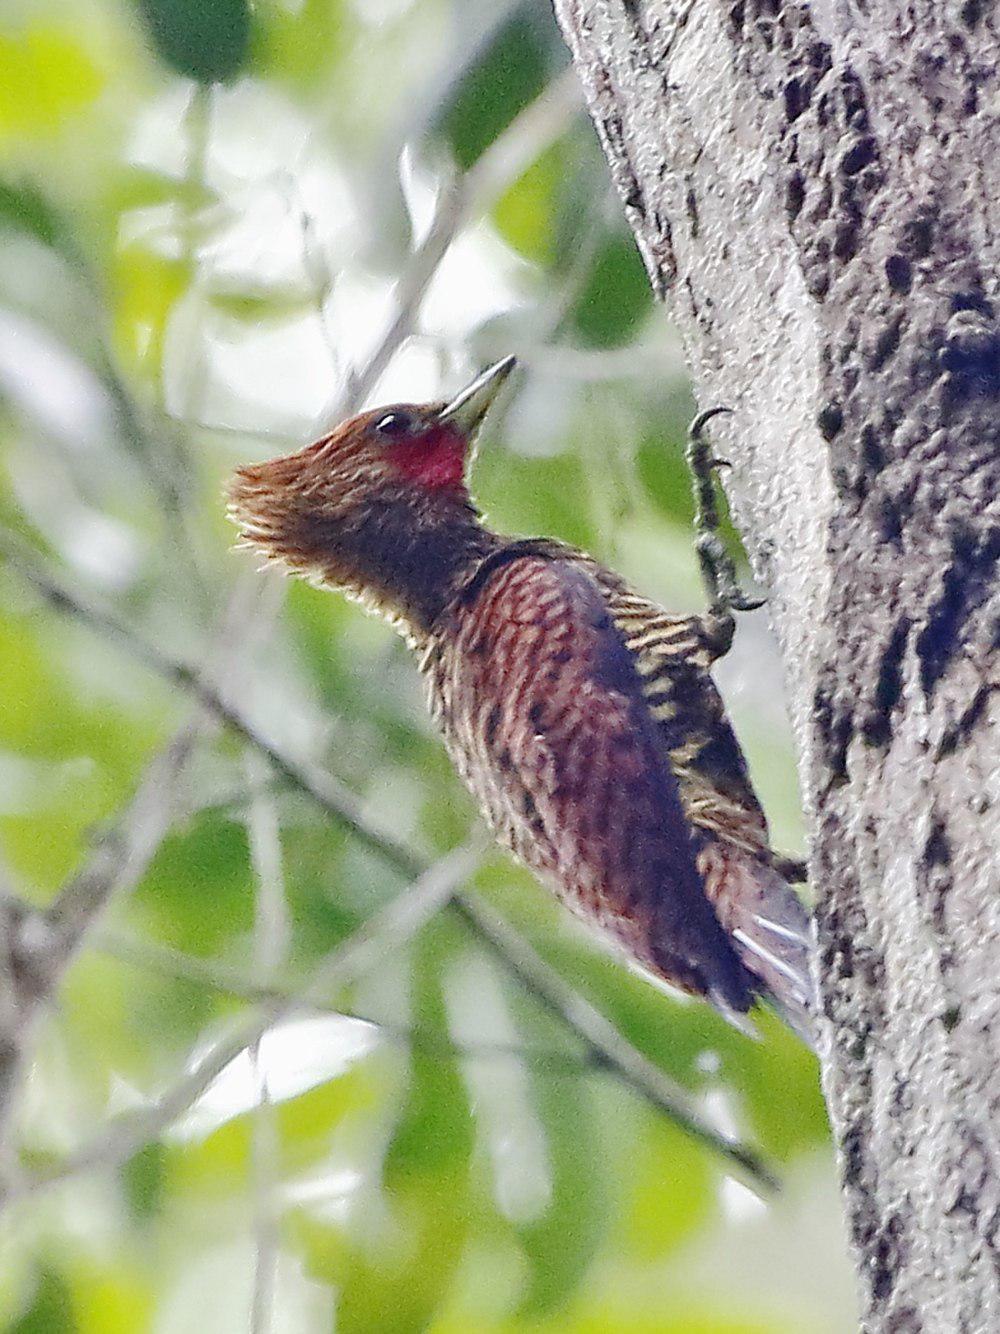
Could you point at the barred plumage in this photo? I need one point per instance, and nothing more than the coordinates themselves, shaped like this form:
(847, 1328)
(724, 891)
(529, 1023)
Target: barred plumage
(583, 717)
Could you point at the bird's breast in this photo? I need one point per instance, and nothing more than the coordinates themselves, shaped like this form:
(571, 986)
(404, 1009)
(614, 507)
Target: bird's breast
(524, 688)
(497, 685)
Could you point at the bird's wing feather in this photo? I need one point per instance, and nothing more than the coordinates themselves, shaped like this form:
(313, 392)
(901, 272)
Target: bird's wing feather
(551, 729)
(672, 662)
(749, 892)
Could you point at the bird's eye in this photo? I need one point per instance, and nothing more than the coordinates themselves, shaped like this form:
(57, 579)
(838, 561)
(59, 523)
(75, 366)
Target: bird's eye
(394, 423)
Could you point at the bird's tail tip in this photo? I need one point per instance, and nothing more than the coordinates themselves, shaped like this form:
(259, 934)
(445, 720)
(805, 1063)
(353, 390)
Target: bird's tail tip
(773, 935)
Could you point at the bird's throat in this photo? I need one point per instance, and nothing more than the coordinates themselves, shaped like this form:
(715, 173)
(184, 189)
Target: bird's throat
(408, 562)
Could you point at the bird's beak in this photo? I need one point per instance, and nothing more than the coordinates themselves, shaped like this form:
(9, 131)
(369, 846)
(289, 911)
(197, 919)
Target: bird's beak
(467, 410)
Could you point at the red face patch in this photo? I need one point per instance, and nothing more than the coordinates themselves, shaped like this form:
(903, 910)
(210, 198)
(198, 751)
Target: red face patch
(435, 459)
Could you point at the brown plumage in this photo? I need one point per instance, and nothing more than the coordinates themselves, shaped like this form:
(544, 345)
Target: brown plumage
(583, 717)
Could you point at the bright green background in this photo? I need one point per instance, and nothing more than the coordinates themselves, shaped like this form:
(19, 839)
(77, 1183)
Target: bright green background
(199, 205)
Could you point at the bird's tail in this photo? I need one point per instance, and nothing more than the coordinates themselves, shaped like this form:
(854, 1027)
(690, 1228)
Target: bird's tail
(772, 933)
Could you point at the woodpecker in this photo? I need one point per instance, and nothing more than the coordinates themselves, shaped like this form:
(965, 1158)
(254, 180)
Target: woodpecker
(581, 715)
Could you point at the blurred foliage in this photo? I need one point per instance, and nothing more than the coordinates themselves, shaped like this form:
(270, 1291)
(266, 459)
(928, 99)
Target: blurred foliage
(206, 40)
(508, 72)
(205, 209)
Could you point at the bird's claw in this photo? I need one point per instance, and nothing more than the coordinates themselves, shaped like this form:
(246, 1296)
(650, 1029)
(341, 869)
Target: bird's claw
(739, 602)
(717, 566)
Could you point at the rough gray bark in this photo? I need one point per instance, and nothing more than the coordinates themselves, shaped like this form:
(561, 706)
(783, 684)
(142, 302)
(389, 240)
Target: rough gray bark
(814, 188)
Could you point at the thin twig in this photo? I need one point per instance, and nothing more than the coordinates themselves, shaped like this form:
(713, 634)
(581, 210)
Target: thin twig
(604, 1040)
(270, 940)
(451, 211)
(342, 805)
(542, 121)
(123, 855)
(383, 933)
(146, 956)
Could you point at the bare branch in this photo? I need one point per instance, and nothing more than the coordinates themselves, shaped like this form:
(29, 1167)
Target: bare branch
(271, 933)
(124, 853)
(146, 956)
(606, 1042)
(385, 932)
(520, 144)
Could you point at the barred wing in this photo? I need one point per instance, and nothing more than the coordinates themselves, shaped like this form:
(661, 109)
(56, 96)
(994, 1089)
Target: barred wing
(544, 714)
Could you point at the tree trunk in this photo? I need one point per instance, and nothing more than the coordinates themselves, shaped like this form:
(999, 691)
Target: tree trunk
(814, 188)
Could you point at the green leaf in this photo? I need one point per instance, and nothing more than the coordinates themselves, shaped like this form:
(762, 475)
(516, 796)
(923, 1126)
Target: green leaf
(536, 495)
(46, 79)
(205, 40)
(24, 208)
(266, 307)
(670, 1190)
(780, 1087)
(299, 43)
(198, 887)
(146, 289)
(548, 214)
(525, 213)
(510, 71)
(75, 758)
(615, 297)
(51, 1309)
(116, 1299)
(143, 1178)
(396, 1282)
(561, 1244)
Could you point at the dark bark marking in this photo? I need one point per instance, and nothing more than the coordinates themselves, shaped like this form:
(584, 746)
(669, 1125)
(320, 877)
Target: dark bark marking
(899, 274)
(795, 193)
(904, 1321)
(846, 240)
(889, 519)
(886, 344)
(965, 585)
(796, 99)
(970, 353)
(852, 1152)
(965, 725)
(842, 944)
(877, 725)
(918, 235)
(935, 868)
(835, 726)
(862, 152)
(889, 1255)
(830, 420)
(872, 454)
(937, 848)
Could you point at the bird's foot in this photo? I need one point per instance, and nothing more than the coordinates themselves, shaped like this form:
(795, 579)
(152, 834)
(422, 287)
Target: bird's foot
(718, 570)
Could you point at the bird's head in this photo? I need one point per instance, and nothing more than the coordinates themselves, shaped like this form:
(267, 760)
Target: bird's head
(372, 505)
